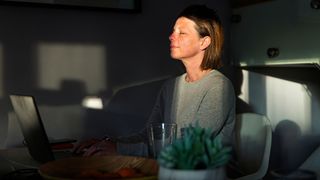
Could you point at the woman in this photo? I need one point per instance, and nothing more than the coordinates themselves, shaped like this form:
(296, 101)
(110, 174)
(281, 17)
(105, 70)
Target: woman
(202, 94)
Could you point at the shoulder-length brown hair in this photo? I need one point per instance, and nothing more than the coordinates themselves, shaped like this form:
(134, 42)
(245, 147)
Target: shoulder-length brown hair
(207, 24)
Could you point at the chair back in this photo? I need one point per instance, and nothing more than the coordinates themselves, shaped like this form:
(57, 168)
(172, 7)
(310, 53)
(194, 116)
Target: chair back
(253, 135)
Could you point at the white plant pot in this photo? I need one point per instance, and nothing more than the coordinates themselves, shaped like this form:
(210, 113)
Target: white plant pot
(177, 174)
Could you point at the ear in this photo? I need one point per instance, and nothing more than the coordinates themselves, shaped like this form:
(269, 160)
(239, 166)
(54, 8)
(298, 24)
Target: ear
(205, 42)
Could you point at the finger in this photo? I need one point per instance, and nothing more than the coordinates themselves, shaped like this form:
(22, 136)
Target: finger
(91, 151)
(98, 148)
(84, 145)
(78, 149)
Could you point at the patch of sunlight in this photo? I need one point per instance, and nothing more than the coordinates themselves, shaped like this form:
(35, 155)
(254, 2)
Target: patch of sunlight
(292, 61)
(82, 64)
(245, 86)
(288, 100)
(243, 63)
(269, 61)
(92, 102)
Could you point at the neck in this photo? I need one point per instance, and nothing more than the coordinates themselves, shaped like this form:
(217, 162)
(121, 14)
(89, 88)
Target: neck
(193, 68)
(195, 75)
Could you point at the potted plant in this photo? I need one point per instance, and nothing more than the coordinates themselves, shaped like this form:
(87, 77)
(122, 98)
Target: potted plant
(197, 155)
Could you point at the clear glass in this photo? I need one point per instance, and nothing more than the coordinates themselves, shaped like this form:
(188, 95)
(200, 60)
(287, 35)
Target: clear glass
(160, 135)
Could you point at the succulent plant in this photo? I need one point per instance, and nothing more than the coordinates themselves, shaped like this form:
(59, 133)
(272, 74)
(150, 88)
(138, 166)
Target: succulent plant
(197, 149)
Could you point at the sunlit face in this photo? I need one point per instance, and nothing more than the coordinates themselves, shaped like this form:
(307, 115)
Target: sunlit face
(185, 42)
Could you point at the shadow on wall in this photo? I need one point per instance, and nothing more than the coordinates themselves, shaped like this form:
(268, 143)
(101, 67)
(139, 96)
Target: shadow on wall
(290, 147)
(126, 113)
(70, 92)
(235, 75)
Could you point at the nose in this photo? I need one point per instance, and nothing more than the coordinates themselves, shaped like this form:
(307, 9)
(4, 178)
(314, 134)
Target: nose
(171, 37)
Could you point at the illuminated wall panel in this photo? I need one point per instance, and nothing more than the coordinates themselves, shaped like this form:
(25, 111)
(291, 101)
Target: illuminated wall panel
(288, 100)
(245, 87)
(83, 63)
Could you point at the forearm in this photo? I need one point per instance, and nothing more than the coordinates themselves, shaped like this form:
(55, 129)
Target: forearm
(132, 149)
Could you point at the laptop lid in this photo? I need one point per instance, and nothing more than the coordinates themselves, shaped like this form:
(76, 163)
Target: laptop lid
(32, 127)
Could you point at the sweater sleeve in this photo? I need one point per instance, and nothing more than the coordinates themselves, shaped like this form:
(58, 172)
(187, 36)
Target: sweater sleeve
(136, 144)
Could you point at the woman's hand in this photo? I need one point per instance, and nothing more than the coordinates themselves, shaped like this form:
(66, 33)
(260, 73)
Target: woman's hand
(103, 147)
(83, 146)
(95, 147)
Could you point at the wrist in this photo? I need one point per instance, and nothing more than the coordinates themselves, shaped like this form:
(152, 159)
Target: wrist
(109, 139)
(111, 143)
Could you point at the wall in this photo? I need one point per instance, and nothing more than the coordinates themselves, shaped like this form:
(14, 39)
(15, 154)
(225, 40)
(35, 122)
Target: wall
(293, 108)
(62, 55)
(289, 94)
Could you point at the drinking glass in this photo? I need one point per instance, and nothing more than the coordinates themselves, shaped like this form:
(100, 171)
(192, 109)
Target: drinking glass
(160, 135)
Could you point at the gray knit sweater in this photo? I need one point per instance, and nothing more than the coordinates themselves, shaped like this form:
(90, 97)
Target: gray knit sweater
(209, 101)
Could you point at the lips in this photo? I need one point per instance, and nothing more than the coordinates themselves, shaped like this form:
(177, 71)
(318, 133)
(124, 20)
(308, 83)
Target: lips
(173, 46)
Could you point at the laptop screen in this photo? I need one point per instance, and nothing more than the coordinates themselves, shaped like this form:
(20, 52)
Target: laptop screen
(32, 128)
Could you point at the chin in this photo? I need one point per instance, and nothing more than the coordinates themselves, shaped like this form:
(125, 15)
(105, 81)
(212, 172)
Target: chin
(173, 56)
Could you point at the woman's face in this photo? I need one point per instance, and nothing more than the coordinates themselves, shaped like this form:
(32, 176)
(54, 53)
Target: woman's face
(185, 42)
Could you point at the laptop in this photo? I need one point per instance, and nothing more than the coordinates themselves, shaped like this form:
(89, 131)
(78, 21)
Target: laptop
(34, 133)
